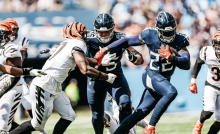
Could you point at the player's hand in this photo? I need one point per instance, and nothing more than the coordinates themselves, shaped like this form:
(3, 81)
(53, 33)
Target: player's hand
(193, 88)
(36, 72)
(111, 78)
(165, 53)
(46, 51)
(5, 80)
(106, 61)
(99, 56)
(130, 56)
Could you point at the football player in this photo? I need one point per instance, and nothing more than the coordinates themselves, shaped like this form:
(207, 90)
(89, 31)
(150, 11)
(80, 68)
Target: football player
(23, 44)
(46, 91)
(210, 56)
(159, 92)
(102, 36)
(111, 123)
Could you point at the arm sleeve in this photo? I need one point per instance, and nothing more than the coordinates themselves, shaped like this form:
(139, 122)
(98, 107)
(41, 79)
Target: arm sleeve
(182, 62)
(197, 66)
(24, 55)
(125, 43)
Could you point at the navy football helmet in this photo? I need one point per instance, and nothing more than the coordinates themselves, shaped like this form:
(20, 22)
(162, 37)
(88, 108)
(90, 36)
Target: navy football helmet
(104, 22)
(166, 27)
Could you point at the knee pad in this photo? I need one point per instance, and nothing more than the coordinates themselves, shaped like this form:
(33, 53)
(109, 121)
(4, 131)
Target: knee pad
(70, 117)
(206, 114)
(125, 106)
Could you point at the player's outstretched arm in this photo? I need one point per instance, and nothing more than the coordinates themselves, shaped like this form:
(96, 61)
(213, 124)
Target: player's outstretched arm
(89, 71)
(134, 56)
(196, 69)
(122, 43)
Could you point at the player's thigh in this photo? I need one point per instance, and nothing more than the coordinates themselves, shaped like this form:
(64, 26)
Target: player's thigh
(209, 98)
(120, 90)
(42, 106)
(26, 99)
(63, 107)
(148, 101)
(8, 106)
(157, 82)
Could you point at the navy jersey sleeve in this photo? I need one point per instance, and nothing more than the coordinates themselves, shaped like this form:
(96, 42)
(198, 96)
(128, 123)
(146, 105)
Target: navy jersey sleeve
(184, 40)
(146, 36)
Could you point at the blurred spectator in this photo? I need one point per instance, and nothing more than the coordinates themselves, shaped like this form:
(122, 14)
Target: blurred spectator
(72, 92)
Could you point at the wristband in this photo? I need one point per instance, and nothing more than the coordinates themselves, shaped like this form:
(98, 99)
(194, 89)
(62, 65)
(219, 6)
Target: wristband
(26, 71)
(193, 80)
(98, 75)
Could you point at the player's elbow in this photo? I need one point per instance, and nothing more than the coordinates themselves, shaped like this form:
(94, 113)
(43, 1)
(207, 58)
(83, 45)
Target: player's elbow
(86, 71)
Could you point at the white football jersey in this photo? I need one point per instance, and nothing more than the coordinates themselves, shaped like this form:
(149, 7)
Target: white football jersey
(10, 50)
(22, 42)
(61, 62)
(207, 54)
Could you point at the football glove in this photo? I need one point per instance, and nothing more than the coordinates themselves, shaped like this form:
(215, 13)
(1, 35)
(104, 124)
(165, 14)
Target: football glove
(193, 86)
(33, 72)
(99, 56)
(5, 80)
(165, 52)
(48, 51)
(106, 61)
(111, 78)
(130, 56)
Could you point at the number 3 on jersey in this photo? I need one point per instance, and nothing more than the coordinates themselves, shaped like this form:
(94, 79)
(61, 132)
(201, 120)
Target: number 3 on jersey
(217, 73)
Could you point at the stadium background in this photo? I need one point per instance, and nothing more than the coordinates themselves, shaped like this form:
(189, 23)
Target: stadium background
(41, 21)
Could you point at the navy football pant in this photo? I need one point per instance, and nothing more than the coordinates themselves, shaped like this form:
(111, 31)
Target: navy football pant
(96, 93)
(158, 95)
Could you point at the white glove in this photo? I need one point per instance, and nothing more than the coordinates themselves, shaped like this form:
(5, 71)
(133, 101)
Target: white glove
(36, 72)
(106, 61)
(111, 78)
(5, 80)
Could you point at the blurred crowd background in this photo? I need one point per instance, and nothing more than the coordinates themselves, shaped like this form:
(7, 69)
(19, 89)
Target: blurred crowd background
(42, 21)
(198, 19)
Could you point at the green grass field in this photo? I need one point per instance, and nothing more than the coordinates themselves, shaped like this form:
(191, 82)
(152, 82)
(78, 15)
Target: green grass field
(178, 123)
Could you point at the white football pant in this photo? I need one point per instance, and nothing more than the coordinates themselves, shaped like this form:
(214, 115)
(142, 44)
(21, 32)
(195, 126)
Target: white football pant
(211, 101)
(43, 103)
(9, 103)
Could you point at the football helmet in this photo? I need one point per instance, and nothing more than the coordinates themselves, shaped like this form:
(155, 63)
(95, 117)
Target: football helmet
(14, 27)
(104, 22)
(76, 30)
(166, 27)
(5, 32)
(65, 32)
(216, 43)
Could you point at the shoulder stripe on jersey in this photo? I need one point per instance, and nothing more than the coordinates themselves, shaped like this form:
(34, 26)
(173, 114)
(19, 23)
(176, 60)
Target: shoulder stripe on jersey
(23, 41)
(205, 53)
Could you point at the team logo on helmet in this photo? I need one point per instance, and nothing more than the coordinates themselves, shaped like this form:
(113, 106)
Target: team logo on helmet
(76, 30)
(14, 27)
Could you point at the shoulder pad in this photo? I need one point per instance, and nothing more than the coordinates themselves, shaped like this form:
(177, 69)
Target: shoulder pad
(91, 34)
(202, 53)
(119, 35)
(78, 43)
(184, 38)
(11, 51)
(146, 34)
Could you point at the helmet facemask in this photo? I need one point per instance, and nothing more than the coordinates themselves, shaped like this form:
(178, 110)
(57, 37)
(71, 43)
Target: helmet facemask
(216, 46)
(105, 39)
(167, 35)
(4, 37)
(14, 34)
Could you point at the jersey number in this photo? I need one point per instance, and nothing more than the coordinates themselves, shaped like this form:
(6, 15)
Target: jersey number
(63, 45)
(217, 73)
(156, 59)
(114, 66)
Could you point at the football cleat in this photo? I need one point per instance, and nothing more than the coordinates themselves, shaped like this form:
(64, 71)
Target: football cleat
(106, 119)
(197, 127)
(151, 130)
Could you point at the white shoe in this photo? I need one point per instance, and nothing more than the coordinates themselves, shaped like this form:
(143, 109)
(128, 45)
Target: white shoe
(43, 132)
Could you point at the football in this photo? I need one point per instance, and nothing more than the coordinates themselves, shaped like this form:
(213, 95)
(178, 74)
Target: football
(173, 51)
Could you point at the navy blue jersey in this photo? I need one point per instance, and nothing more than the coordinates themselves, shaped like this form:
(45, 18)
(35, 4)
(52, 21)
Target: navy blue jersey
(157, 63)
(93, 46)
